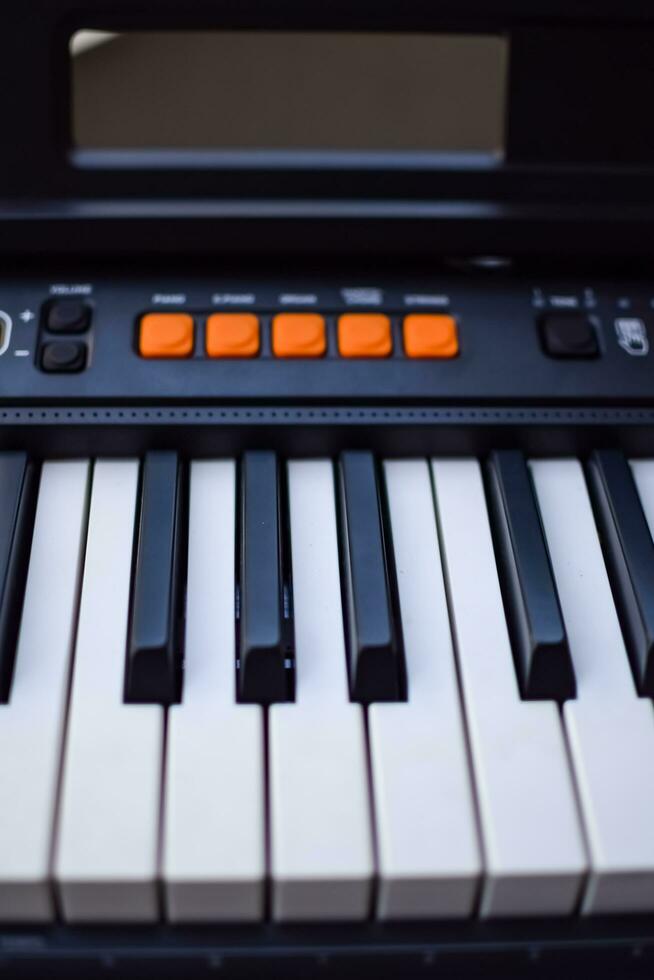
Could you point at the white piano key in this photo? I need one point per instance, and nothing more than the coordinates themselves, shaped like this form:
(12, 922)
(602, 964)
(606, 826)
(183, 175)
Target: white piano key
(107, 847)
(533, 845)
(214, 860)
(32, 724)
(610, 729)
(427, 844)
(320, 824)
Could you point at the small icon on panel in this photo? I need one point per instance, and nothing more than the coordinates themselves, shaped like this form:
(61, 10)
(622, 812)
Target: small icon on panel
(27, 315)
(632, 336)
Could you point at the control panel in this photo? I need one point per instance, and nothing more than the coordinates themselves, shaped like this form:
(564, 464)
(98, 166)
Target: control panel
(462, 339)
(298, 335)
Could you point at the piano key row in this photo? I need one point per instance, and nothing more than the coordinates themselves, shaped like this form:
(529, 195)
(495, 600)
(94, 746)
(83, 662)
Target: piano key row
(464, 797)
(265, 634)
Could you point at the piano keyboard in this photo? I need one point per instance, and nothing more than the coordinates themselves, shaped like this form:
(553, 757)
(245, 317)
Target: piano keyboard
(323, 689)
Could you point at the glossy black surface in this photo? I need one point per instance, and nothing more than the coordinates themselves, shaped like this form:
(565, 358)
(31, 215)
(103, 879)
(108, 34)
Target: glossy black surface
(373, 644)
(629, 555)
(577, 174)
(63, 356)
(262, 676)
(501, 360)
(17, 490)
(540, 645)
(154, 656)
(67, 316)
(569, 335)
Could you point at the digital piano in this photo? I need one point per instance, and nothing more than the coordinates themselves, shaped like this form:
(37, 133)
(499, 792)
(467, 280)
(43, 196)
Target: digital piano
(327, 483)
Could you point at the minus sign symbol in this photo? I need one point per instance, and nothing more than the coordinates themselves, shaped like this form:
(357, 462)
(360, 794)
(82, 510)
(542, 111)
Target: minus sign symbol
(21, 353)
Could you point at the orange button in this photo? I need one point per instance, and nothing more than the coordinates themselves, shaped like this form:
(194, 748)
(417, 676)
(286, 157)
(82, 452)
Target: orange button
(430, 335)
(166, 335)
(299, 335)
(364, 335)
(233, 335)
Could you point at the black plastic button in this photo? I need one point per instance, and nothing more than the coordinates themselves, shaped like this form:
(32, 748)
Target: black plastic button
(569, 335)
(68, 316)
(63, 355)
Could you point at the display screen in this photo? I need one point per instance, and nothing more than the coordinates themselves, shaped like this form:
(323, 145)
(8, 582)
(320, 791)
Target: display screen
(283, 91)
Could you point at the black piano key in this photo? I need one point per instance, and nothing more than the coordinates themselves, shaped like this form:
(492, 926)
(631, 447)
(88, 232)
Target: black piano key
(374, 652)
(262, 677)
(629, 556)
(542, 656)
(154, 654)
(18, 490)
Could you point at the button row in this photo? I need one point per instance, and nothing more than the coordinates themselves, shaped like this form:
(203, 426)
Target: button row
(59, 353)
(359, 335)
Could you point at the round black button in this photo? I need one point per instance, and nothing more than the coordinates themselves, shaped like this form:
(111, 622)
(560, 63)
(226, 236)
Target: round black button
(569, 335)
(576, 334)
(64, 355)
(68, 316)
